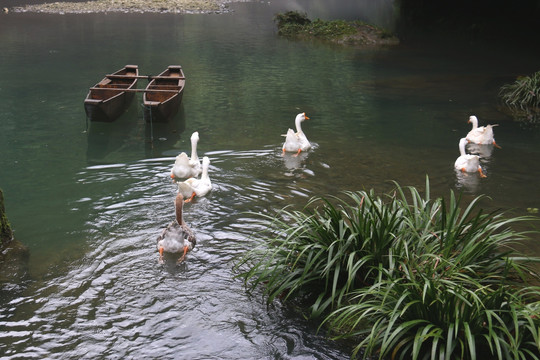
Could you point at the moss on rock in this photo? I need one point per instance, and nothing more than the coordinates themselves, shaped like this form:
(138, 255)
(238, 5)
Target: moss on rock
(13, 254)
(6, 234)
(297, 25)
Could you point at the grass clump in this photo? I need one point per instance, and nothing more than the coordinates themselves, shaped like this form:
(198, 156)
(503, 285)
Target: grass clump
(408, 276)
(522, 98)
(291, 18)
(323, 254)
(295, 24)
(456, 316)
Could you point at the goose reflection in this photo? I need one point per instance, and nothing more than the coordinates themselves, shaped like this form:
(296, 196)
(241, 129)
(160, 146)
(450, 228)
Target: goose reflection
(106, 140)
(468, 182)
(484, 151)
(294, 161)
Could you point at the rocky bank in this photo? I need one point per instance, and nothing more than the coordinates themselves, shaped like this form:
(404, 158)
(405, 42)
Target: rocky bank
(129, 6)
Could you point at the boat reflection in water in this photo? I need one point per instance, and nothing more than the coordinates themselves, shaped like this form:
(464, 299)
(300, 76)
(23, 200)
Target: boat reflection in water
(160, 137)
(118, 141)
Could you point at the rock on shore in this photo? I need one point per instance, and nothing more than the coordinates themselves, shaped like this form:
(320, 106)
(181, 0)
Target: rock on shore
(130, 6)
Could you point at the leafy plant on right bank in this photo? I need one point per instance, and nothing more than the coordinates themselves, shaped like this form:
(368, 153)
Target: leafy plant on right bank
(407, 276)
(522, 98)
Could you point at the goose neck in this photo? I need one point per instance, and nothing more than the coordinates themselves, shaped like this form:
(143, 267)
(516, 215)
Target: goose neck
(194, 150)
(474, 122)
(298, 123)
(462, 148)
(179, 203)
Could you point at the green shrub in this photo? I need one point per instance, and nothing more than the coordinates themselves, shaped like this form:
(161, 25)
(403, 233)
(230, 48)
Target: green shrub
(291, 18)
(410, 277)
(523, 97)
(455, 312)
(323, 254)
(293, 23)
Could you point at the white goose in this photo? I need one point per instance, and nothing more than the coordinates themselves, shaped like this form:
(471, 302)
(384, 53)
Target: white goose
(296, 142)
(194, 160)
(185, 167)
(196, 187)
(177, 237)
(466, 162)
(482, 135)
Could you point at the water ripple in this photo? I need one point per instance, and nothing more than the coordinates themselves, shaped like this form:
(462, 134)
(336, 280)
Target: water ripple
(118, 297)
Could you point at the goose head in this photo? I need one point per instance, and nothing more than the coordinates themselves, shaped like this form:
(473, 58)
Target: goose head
(474, 121)
(299, 119)
(195, 137)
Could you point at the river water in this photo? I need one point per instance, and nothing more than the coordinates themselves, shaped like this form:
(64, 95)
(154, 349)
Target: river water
(90, 199)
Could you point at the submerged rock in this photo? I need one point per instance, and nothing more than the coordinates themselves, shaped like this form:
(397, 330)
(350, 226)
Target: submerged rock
(13, 264)
(6, 234)
(13, 255)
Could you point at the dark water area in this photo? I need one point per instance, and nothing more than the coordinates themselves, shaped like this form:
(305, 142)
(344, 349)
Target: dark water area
(89, 199)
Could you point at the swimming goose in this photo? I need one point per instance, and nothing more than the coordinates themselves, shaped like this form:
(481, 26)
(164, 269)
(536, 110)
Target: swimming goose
(194, 160)
(482, 135)
(197, 187)
(177, 237)
(296, 142)
(185, 167)
(466, 162)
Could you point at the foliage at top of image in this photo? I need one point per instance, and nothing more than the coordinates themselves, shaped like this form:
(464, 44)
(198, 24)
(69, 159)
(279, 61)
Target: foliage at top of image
(295, 24)
(406, 276)
(522, 98)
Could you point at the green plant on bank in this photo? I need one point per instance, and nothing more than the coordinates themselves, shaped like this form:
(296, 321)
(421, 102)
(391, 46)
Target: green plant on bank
(523, 97)
(430, 316)
(410, 277)
(293, 23)
(325, 254)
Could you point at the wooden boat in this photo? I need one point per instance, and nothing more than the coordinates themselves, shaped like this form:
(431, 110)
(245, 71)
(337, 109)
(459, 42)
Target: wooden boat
(163, 95)
(106, 101)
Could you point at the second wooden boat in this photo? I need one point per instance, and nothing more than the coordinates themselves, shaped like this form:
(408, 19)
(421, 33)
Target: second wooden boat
(163, 95)
(110, 97)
